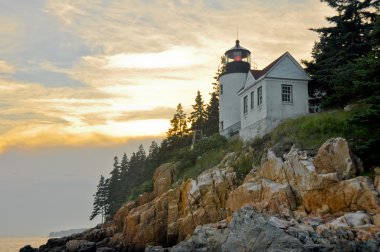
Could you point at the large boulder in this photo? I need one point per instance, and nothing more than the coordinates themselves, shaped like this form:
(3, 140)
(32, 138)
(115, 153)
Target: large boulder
(173, 215)
(334, 157)
(164, 177)
(264, 195)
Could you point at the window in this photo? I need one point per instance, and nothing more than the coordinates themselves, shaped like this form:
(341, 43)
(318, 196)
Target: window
(286, 93)
(252, 99)
(221, 125)
(259, 96)
(245, 104)
(221, 89)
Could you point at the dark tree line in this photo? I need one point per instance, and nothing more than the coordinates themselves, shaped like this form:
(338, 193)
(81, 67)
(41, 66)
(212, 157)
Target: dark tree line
(345, 69)
(127, 178)
(345, 60)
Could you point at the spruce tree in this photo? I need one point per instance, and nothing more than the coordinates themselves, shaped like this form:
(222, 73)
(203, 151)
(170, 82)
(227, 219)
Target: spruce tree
(197, 117)
(178, 125)
(100, 200)
(212, 115)
(339, 46)
(124, 173)
(114, 197)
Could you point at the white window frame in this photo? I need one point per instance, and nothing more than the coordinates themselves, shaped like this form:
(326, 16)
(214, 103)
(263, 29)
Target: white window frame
(259, 96)
(245, 104)
(286, 93)
(252, 99)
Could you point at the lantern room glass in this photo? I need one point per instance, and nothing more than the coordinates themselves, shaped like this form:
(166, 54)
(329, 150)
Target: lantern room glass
(238, 55)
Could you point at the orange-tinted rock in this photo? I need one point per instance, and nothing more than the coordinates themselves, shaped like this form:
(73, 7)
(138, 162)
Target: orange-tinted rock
(334, 156)
(163, 178)
(292, 186)
(265, 196)
(173, 215)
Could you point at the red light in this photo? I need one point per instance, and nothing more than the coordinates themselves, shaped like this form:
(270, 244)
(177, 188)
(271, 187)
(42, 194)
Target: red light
(237, 58)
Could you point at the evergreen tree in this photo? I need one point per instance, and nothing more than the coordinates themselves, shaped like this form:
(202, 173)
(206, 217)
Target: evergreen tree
(340, 45)
(221, 69)
(124, 173)
(114, 197)
(197, 117)
(100, 200)
(178, 125)
(212, 114)
(153, 158)
(366, 70)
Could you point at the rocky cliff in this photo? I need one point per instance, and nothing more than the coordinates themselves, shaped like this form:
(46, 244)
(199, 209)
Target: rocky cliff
(293, 202)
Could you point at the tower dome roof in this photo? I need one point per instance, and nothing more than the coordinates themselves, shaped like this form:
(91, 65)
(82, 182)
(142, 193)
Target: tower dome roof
(237, 47)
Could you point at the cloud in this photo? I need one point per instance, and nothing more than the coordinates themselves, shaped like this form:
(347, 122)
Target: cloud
(176, 57)
(48, 136)
(115, 68)
(6, 68)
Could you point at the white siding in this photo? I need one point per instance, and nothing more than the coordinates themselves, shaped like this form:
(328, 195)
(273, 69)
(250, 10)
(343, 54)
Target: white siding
(278, 110)
(287, 68)
(229, 102)
(258, 112)
(250, 80)
(262, 119)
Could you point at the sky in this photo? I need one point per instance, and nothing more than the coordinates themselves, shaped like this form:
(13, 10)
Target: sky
(84, 81)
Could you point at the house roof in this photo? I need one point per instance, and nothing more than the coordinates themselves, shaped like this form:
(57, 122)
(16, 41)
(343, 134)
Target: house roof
(258, 73)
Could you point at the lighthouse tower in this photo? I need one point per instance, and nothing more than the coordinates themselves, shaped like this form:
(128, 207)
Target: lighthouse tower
(237, 65)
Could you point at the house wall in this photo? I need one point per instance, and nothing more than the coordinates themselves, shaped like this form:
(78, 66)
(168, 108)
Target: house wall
(278, 110)
(288, 68)
(258, 112)
(229, 101)
(263, 119)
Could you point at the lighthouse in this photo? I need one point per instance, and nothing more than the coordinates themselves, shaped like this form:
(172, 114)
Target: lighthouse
(237, 65)
(253, 102)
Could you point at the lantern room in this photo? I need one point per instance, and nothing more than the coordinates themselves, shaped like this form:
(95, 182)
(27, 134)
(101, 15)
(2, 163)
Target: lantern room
(237, 59)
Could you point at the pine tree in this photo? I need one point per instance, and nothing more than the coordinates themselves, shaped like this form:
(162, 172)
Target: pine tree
(114, 197)
(178, 125)
(153, 158)
(198, 115)
(221, 69)
(124, 173)
(340, 45)
(100, 200)
(212, 115)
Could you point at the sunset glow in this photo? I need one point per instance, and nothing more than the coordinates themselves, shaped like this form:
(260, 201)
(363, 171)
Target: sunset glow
(84, 81)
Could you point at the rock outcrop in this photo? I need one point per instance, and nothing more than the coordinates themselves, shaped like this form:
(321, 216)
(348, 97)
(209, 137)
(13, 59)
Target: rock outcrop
(298, 185)
(172, 216)
(315, 203)
(253, 231)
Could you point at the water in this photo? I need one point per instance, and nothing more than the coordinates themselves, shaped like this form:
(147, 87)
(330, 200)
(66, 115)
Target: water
(13, 244)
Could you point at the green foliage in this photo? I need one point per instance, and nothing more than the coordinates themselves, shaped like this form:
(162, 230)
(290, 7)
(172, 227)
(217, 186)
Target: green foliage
(206, 154)
(340, 46)
(100, 205)
(178, 125)
(243, 165)
(198, 115)
(146, 186)
(360, 126)
(212, 115)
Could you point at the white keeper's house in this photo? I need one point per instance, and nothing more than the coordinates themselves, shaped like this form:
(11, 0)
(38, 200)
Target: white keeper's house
(253, 102)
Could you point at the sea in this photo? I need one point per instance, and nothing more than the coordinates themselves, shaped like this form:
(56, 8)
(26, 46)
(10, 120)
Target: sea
(13, 244)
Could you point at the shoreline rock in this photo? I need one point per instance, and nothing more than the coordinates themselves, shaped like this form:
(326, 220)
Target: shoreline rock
(298, 202)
